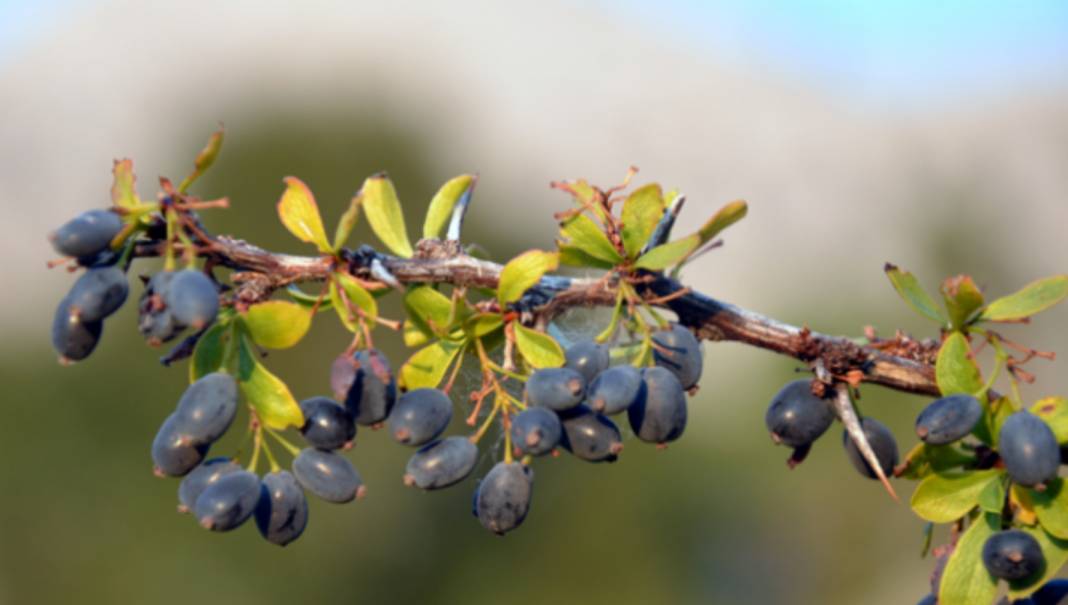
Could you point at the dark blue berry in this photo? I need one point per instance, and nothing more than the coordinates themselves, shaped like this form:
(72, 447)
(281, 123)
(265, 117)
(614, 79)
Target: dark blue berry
(192, 298)
(555, 388)
(327, 424)
(503, 497)
(587, 358)
(678, 350)
(327, 475)
(1012, 555)
(420, 416)
(1051, 593)
(929, 600)
(882, 443)
(796, 417)
(228, 502)
(536, 431)
(615, 389)
(282, 511)
(200, 478)
(660, 416)
(373, 390)
(155, 321)
(176, 453)
(87, 234)
(208, 407)
(1029, 449)
(442, 463)
(590, 436)
(73, 338)
(948, 419)
(98, 293)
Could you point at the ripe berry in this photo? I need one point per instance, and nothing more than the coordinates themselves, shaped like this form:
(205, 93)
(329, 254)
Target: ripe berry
(98, 293)
(87, 234)
(948, 419)
(373, 391)
(200, 478)
(928, 600)
(192, 298)
(536, 431)
(660, 416)
(208, 407)
(615, 389)
(796, 417)
(442, 463)
(555, 388)
(1012, 555)
(155, 321)
(73, 338)
(502, 499)
(327, 475)
(327, 424)
(882, 443)
(420, 416)
(587, 358)
(282, 510)
(1029, 449)
(678, 350)
(228, 502)
(590, 436)
(176, 453)
(1051, 593)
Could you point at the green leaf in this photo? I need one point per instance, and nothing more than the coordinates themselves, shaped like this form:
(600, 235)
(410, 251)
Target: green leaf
(1051, 506)
(482, 324)
(641, 212)
(963, 299)
(583, 233)
(965, 580)
(576, 257)
(266, 393)
(277, 324)
(204, 159)
(209, 354)
(308, 301)
(908, 287)
(440, 210)
(994, 414)
(955, 371)
(429, 307)
(992, 498)
(1029, 300)
(538, 348)
(356, 295)
(523, 272)
(1054, 551)
(946, 497)
(123, 193)
(416, 334)
(665, 255)
(383, 210)
(348, 221)
(725, 217)
(300, 214)
(1054, 411)
(427, 366)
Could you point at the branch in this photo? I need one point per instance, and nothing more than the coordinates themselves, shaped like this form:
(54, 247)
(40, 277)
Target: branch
(903, 368)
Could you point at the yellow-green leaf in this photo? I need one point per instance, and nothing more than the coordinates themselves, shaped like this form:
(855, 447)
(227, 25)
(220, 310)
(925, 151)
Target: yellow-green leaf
(965, 580)
(415, 334)
(1051, 506)
(204, 159)
(584, 194)
(992, 498)
(962, 298)
(277, 324)
(946, 497)
(1054, 411)
(308, 301)
(427, 366)
(726, 216)
(429, 307)
(908, 287)
(641, 211)
(665, 255)
(266, 393)
(348, 221)
(994, 415)
(443, 202)
(538, 348)
(524, 271)
(1054, 551)
(482, 324)
(300, 214)
(210, 351)
(123, 193)
(357, 295)
(1029, 300)
(583, 233)
(384, 213)
(955, 371)
(576, 257)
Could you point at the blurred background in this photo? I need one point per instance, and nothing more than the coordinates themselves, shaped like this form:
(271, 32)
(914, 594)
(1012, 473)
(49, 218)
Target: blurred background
(933, 135)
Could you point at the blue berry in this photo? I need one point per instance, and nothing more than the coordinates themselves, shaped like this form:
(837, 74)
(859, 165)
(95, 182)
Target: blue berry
(1012, 555)
(615, 389)
(208, 407)
(73, 338)
(1029, 449)
(882, 443)
(503, 497)
(373, 390)
(536, 431)
(590, 436)
(282, 510)
(328, 475)
(155, 321)
(420, 416)
(87, 234)
(660, 416)
(948, 419)
(98, 293)
(200, 478)
(327, 424)
(796, 417)
(587, 358)
(555, 388)
(228, 502)
(192, 298)
(678, 350)
(441, 464)
(176, 453)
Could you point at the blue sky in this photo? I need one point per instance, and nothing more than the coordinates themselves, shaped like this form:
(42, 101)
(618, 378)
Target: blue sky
(911, 50)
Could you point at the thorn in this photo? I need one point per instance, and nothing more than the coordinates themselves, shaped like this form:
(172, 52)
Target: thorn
(844, 408)
(379, 272)
(459, 211)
